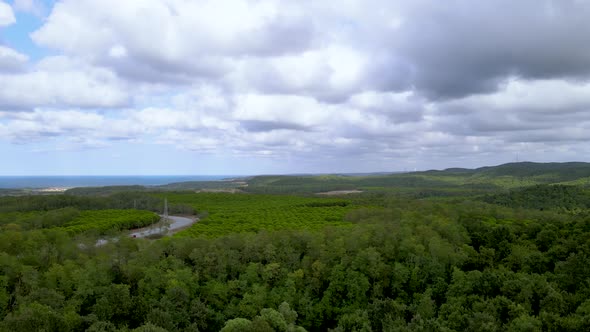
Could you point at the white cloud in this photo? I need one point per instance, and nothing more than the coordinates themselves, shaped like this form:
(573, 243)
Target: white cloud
(186, 34)
(312, 48)
(413, 80)
(400, 107)
(34, 7)
(6, 14)
(62, 82)
(520, 107)
(11, 60)
(221, 26)
(24, 127)
(249, 124)
(330, 73)
(280, 109)
(539, 96)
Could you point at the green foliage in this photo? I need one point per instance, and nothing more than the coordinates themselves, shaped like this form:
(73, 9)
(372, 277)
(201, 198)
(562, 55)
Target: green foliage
(277, 263)
(202, 185)
(117, 200)
(318, 184)
(75, 221)
(103, 191)
(268, 320)
(544, 197)
(238, 325)
(450, 182)
(235, 213)
(38, 219)
(188, 185)
(408, 265)
(149, 328)
(106, 220)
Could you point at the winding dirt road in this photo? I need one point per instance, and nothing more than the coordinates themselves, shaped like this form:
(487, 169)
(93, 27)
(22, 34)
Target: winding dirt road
(176, 223)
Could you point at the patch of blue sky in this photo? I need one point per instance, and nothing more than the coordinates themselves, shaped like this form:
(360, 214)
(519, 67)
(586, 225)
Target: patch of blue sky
(18, 35)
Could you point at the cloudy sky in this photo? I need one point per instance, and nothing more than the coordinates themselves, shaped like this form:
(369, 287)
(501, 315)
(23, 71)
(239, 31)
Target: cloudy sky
(103, 87)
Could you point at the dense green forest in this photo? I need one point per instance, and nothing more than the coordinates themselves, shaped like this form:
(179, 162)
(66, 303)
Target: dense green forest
(541, 197)
(493, 249)
(75, 221)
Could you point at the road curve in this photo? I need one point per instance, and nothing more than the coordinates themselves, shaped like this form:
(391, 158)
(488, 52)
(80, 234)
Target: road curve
(175, 224)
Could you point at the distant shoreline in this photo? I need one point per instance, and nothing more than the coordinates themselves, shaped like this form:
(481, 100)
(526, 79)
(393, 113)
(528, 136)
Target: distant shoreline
(52, 189)
(58, 183)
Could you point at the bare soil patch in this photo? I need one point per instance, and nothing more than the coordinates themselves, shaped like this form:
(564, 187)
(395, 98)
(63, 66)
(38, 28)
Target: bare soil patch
(340, 192)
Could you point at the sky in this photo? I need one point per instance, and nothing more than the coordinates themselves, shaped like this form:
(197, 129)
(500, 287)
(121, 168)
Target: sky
(154, 87)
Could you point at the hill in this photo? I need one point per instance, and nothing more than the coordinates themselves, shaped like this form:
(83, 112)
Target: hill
(176, 186)
(452, 181)
(539, 172)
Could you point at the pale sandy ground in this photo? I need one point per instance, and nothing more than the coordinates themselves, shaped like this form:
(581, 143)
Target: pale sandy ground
(52, 190)
(340, 192)
(229, 190)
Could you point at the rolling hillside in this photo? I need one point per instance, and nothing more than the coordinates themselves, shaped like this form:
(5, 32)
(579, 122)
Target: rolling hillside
(452, 180)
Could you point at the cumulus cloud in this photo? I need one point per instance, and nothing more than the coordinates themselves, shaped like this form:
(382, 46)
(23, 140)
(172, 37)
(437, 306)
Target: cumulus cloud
(34, 7)
(33, 126)
(280, 109)
(400, 107)
(520, 108)
(6, 14)
(61, 82)
(315, 48)
(444, 50)
(375, 83)
(330, 73)
(465, 47)
(11, 60)
(193, 38)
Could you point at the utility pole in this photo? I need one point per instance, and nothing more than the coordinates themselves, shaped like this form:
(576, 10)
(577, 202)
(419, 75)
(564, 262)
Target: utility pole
(164, 220)
(165, 207)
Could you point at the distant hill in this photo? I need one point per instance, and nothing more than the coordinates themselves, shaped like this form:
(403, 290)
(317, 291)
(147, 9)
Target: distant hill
(521, 174)
(448, 182)
(452, 181)
(200, 185)
(103, 191)
(176, 186)
(549, 172)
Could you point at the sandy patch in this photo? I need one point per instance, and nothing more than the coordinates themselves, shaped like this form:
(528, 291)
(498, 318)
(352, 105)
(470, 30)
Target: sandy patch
(340, 192)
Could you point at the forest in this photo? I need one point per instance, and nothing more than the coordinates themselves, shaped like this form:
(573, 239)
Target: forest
(504, 249)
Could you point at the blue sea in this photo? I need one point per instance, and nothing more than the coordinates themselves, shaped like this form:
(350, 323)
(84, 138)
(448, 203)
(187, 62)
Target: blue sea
(36, 182)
